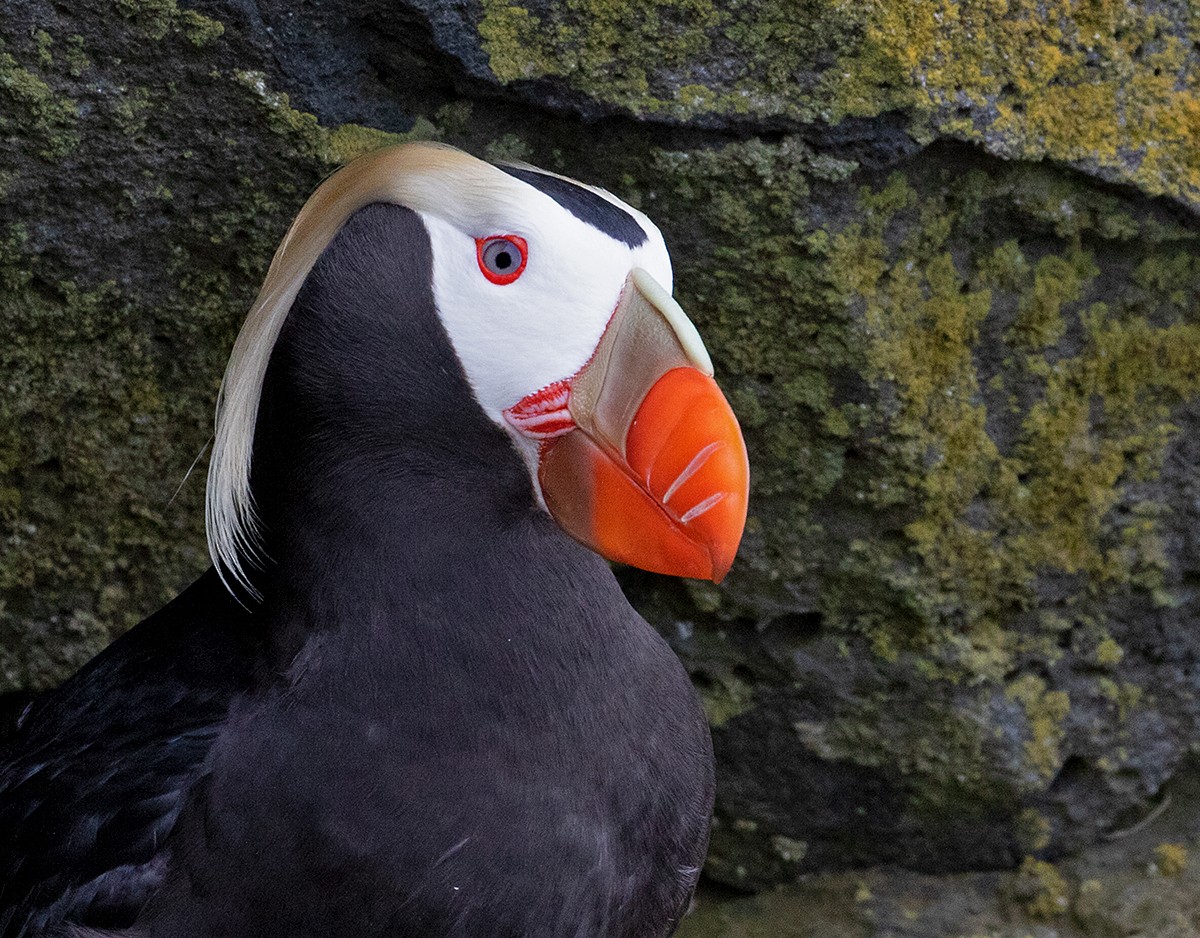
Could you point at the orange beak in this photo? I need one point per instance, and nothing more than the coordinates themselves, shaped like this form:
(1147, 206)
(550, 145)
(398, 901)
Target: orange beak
(641, 458)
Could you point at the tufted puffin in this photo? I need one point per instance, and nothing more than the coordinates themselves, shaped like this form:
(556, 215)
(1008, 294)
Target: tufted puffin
(409, 699)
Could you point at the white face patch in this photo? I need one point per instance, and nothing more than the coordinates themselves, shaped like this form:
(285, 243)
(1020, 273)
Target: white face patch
(514, 339)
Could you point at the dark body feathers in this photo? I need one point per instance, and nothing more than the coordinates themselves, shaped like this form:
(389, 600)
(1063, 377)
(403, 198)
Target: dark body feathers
(443, 720)
(91, 783)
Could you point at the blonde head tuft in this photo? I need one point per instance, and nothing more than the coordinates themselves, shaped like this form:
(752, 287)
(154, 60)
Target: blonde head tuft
(426, 177)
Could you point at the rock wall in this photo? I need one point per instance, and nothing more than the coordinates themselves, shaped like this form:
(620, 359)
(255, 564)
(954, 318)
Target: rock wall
(945, 255)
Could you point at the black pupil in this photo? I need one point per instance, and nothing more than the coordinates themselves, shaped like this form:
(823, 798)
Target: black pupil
(503, 260)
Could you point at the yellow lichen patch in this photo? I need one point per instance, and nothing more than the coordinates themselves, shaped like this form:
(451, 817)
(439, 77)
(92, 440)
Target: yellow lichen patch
(609, 46)
(1044, 714)
(512, 38)
(1033, 830)
(923, 326)
(1170, 859)
(1071, 122)
(1125, 696)
(1111, 86)
(1071, 484)
(1135, 371)
(921, 322)
(1108, 653)
(1103, 83)
(1057, 280)
(1041, 889)
(989, 520)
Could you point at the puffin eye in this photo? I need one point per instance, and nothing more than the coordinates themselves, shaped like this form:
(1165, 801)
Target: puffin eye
(501, 257)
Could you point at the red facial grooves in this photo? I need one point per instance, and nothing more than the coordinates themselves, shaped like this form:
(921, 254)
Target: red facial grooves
(543, 415)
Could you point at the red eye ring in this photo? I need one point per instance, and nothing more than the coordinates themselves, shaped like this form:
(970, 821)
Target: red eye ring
(488, 251)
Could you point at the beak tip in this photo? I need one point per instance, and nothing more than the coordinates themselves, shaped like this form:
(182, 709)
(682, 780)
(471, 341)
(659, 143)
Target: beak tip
(721, 557)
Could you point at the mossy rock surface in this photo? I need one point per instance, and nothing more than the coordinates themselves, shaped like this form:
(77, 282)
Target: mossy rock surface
(962, 627)
(1142, 882)
(135, 215)
(1106, 85)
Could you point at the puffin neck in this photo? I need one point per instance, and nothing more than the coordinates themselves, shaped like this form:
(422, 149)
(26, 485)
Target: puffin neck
(411, 565)
(382, 487)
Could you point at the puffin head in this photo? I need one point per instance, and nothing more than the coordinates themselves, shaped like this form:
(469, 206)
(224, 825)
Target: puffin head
(556, 300)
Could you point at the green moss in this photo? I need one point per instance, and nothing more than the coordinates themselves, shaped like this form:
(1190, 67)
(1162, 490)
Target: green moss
(43, 43)
(988, 522)
(131, 109)
(156, 19)
(921, 319)
(281, 117)
(455, 120)
(1006, 268)
(32, 109)
(199, 29)
(83, 323)
(77, 59)
(939, 755)
(1136, 372)
(349, 141)
(109, 388)
(1169, 276)
(507, 147)
(352, 140)
(725, 697)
